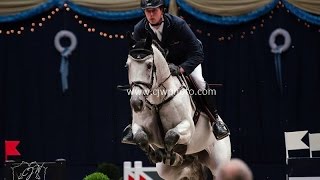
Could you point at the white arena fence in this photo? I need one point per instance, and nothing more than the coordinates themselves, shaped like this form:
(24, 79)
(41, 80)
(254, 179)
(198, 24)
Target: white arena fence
(137, 172)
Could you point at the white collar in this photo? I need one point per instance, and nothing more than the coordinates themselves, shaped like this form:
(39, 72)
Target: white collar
(158, 30)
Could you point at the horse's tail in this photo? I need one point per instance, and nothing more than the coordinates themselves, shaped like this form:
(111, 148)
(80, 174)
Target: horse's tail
(202, 171)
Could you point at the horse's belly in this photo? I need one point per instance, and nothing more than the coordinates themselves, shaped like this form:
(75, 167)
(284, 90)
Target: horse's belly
(202, 137)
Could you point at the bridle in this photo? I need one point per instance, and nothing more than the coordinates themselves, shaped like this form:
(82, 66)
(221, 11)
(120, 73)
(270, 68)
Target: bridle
(140, 84)
(149, 85)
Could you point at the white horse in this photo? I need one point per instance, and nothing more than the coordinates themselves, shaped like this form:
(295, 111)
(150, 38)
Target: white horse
(163, 112)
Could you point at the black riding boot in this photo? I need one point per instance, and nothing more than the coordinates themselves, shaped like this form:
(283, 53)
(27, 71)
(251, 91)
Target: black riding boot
(219, 128)
(127, 135)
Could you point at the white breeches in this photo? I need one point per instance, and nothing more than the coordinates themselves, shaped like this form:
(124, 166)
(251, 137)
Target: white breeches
(198, 78)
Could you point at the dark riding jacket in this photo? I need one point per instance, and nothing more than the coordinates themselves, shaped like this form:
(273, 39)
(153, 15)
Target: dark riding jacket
(183, 47)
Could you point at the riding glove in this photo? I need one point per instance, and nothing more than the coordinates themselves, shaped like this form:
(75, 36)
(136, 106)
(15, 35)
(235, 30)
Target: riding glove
(174, 69)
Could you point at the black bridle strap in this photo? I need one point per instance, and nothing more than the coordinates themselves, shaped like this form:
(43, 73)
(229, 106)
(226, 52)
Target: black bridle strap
(140, 84)
(148, 85)
(161, 84)
(170, 97)
(158, 106)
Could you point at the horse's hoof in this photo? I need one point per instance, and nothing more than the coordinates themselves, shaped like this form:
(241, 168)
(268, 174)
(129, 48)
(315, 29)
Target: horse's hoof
(159, 154)
(142, 140)
(152, 157)
(171, 139)
(156, 156)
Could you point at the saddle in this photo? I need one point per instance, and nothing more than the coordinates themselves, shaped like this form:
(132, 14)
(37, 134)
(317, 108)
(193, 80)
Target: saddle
(199, 101)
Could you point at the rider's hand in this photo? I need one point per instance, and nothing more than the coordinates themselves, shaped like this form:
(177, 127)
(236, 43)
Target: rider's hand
(181, 70)
(174, 69)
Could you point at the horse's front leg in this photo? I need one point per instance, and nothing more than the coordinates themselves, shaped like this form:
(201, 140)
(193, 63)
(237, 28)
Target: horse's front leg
(181, 134)
(140, 137)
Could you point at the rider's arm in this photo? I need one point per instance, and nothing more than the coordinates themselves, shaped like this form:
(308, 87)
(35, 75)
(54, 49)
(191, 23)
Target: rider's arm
(139, 31)
(193, 47)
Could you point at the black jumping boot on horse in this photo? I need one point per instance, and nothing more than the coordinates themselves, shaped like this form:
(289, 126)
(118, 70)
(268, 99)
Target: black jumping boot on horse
(127, 135)
(219, 128)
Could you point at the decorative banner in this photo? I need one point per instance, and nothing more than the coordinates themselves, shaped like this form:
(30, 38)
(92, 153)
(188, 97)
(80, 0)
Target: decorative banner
(11, 149)
(277, 50)
(65, 52)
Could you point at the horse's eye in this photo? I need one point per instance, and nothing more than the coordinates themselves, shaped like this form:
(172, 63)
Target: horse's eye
(149, 65)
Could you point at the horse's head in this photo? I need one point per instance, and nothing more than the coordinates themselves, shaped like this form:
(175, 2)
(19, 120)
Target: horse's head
(141, 71)
(147, 69)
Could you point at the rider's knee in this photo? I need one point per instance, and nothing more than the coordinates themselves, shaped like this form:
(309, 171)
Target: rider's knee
(198, 78)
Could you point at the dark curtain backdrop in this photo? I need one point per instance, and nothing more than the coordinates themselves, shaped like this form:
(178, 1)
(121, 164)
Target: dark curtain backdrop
(84, 124)
(250, 101)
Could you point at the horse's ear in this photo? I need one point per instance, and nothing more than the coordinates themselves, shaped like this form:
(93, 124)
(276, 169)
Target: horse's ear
(130, 38)
(148, 41)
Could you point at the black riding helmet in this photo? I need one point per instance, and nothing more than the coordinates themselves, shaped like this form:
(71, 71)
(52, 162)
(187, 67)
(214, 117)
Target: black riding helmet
(151, 3)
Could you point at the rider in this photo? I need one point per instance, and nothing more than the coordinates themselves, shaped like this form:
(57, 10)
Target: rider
(185, 54)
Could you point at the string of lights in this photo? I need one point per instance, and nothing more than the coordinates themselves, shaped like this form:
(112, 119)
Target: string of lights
(259, 24)
(92, 29)
(32, 27)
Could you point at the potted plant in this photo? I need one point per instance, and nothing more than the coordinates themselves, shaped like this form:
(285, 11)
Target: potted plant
(96, 176)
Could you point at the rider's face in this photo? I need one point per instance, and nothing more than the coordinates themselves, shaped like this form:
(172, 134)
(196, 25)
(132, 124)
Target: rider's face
(154, 15)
